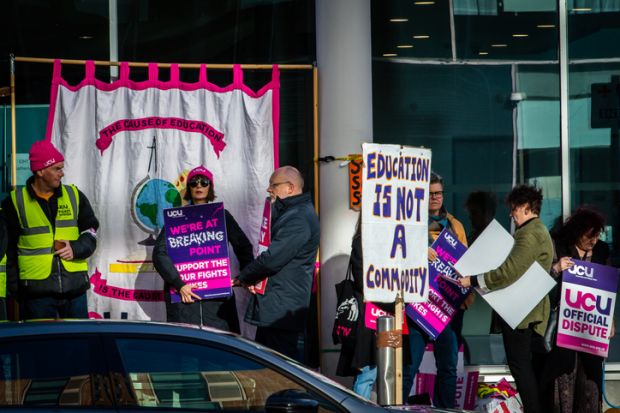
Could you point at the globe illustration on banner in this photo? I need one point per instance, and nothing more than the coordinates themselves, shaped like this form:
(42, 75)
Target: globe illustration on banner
(149, 199)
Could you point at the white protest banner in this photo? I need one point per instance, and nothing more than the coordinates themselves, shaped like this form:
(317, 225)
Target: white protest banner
(395, 222)
(129, 147)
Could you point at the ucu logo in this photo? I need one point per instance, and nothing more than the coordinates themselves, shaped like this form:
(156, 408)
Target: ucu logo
(587, 301)
(448, 237)
(50, 162)
(377, 312)
(175, 213)
(581, 270)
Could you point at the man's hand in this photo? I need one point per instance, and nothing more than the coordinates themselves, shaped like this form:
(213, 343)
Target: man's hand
(65, 252)
(236, 282)
(187, 295)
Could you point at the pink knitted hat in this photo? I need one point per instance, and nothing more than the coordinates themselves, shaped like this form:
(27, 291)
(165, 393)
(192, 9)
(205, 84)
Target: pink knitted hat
(200, 170)
(43, 154)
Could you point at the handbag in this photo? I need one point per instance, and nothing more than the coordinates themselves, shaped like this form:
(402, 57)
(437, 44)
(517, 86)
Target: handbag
(546, 342)
(347, 311)
(552, 330)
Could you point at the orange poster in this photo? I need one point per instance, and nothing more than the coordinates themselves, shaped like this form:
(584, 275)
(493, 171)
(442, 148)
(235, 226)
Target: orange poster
(355, 182)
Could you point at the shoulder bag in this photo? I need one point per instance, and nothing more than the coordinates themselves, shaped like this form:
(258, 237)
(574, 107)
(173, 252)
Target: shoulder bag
(347, 311)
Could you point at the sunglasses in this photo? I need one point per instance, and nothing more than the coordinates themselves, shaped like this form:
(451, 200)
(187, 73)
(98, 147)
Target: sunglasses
(195, 182)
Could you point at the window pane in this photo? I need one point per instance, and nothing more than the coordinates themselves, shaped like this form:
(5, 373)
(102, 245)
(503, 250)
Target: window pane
(408, 29)
(492, 30)
(462, 113)
(52, 373)
(196, 31)
(593, 31)
(53, 29)
(224, 31)
(536, 99)
(192, 376)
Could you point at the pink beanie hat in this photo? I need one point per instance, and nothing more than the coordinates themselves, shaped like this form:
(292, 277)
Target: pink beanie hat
(43, 154)
(200, 170)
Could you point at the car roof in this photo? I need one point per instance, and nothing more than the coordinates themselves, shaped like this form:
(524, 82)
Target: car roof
(75, 325)
(55, 327)
(40, 328)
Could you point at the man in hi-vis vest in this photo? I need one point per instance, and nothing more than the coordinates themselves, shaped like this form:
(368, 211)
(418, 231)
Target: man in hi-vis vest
(52, 230)
(3, 315)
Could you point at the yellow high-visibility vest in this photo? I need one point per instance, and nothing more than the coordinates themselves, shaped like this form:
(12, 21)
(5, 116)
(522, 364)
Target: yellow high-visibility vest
(3, 277)
(35, 246)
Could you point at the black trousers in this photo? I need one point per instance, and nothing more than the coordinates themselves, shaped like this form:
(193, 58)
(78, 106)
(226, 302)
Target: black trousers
(283, 341)
(53, 307)
(523, 365)
(3, 312)
(218, 313)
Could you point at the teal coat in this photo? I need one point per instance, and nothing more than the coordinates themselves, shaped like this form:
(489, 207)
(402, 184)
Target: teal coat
(532, 243)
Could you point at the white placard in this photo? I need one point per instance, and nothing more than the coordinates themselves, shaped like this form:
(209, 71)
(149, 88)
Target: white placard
(515, 302)
(488, 251)
(395, 222)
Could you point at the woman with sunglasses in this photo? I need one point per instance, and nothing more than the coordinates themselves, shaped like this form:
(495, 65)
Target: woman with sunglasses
(572, 380)
(220, 312)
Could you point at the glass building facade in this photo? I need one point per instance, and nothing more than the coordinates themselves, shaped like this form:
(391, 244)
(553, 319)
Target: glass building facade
(479, 82)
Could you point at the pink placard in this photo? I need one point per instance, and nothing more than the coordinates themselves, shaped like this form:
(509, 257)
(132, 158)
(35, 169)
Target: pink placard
(373, 312)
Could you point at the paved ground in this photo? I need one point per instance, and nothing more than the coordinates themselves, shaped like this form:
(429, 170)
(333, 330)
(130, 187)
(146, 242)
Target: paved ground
(612, 390)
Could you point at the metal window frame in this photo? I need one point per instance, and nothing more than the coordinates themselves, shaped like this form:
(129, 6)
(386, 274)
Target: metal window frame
(564, 137)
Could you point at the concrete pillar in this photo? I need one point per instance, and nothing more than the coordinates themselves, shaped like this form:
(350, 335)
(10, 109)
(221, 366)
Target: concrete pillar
(344, 57)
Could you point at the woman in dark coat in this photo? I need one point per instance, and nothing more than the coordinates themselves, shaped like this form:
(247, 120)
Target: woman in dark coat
(220, 312)
(358, 360)
(572, 380)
